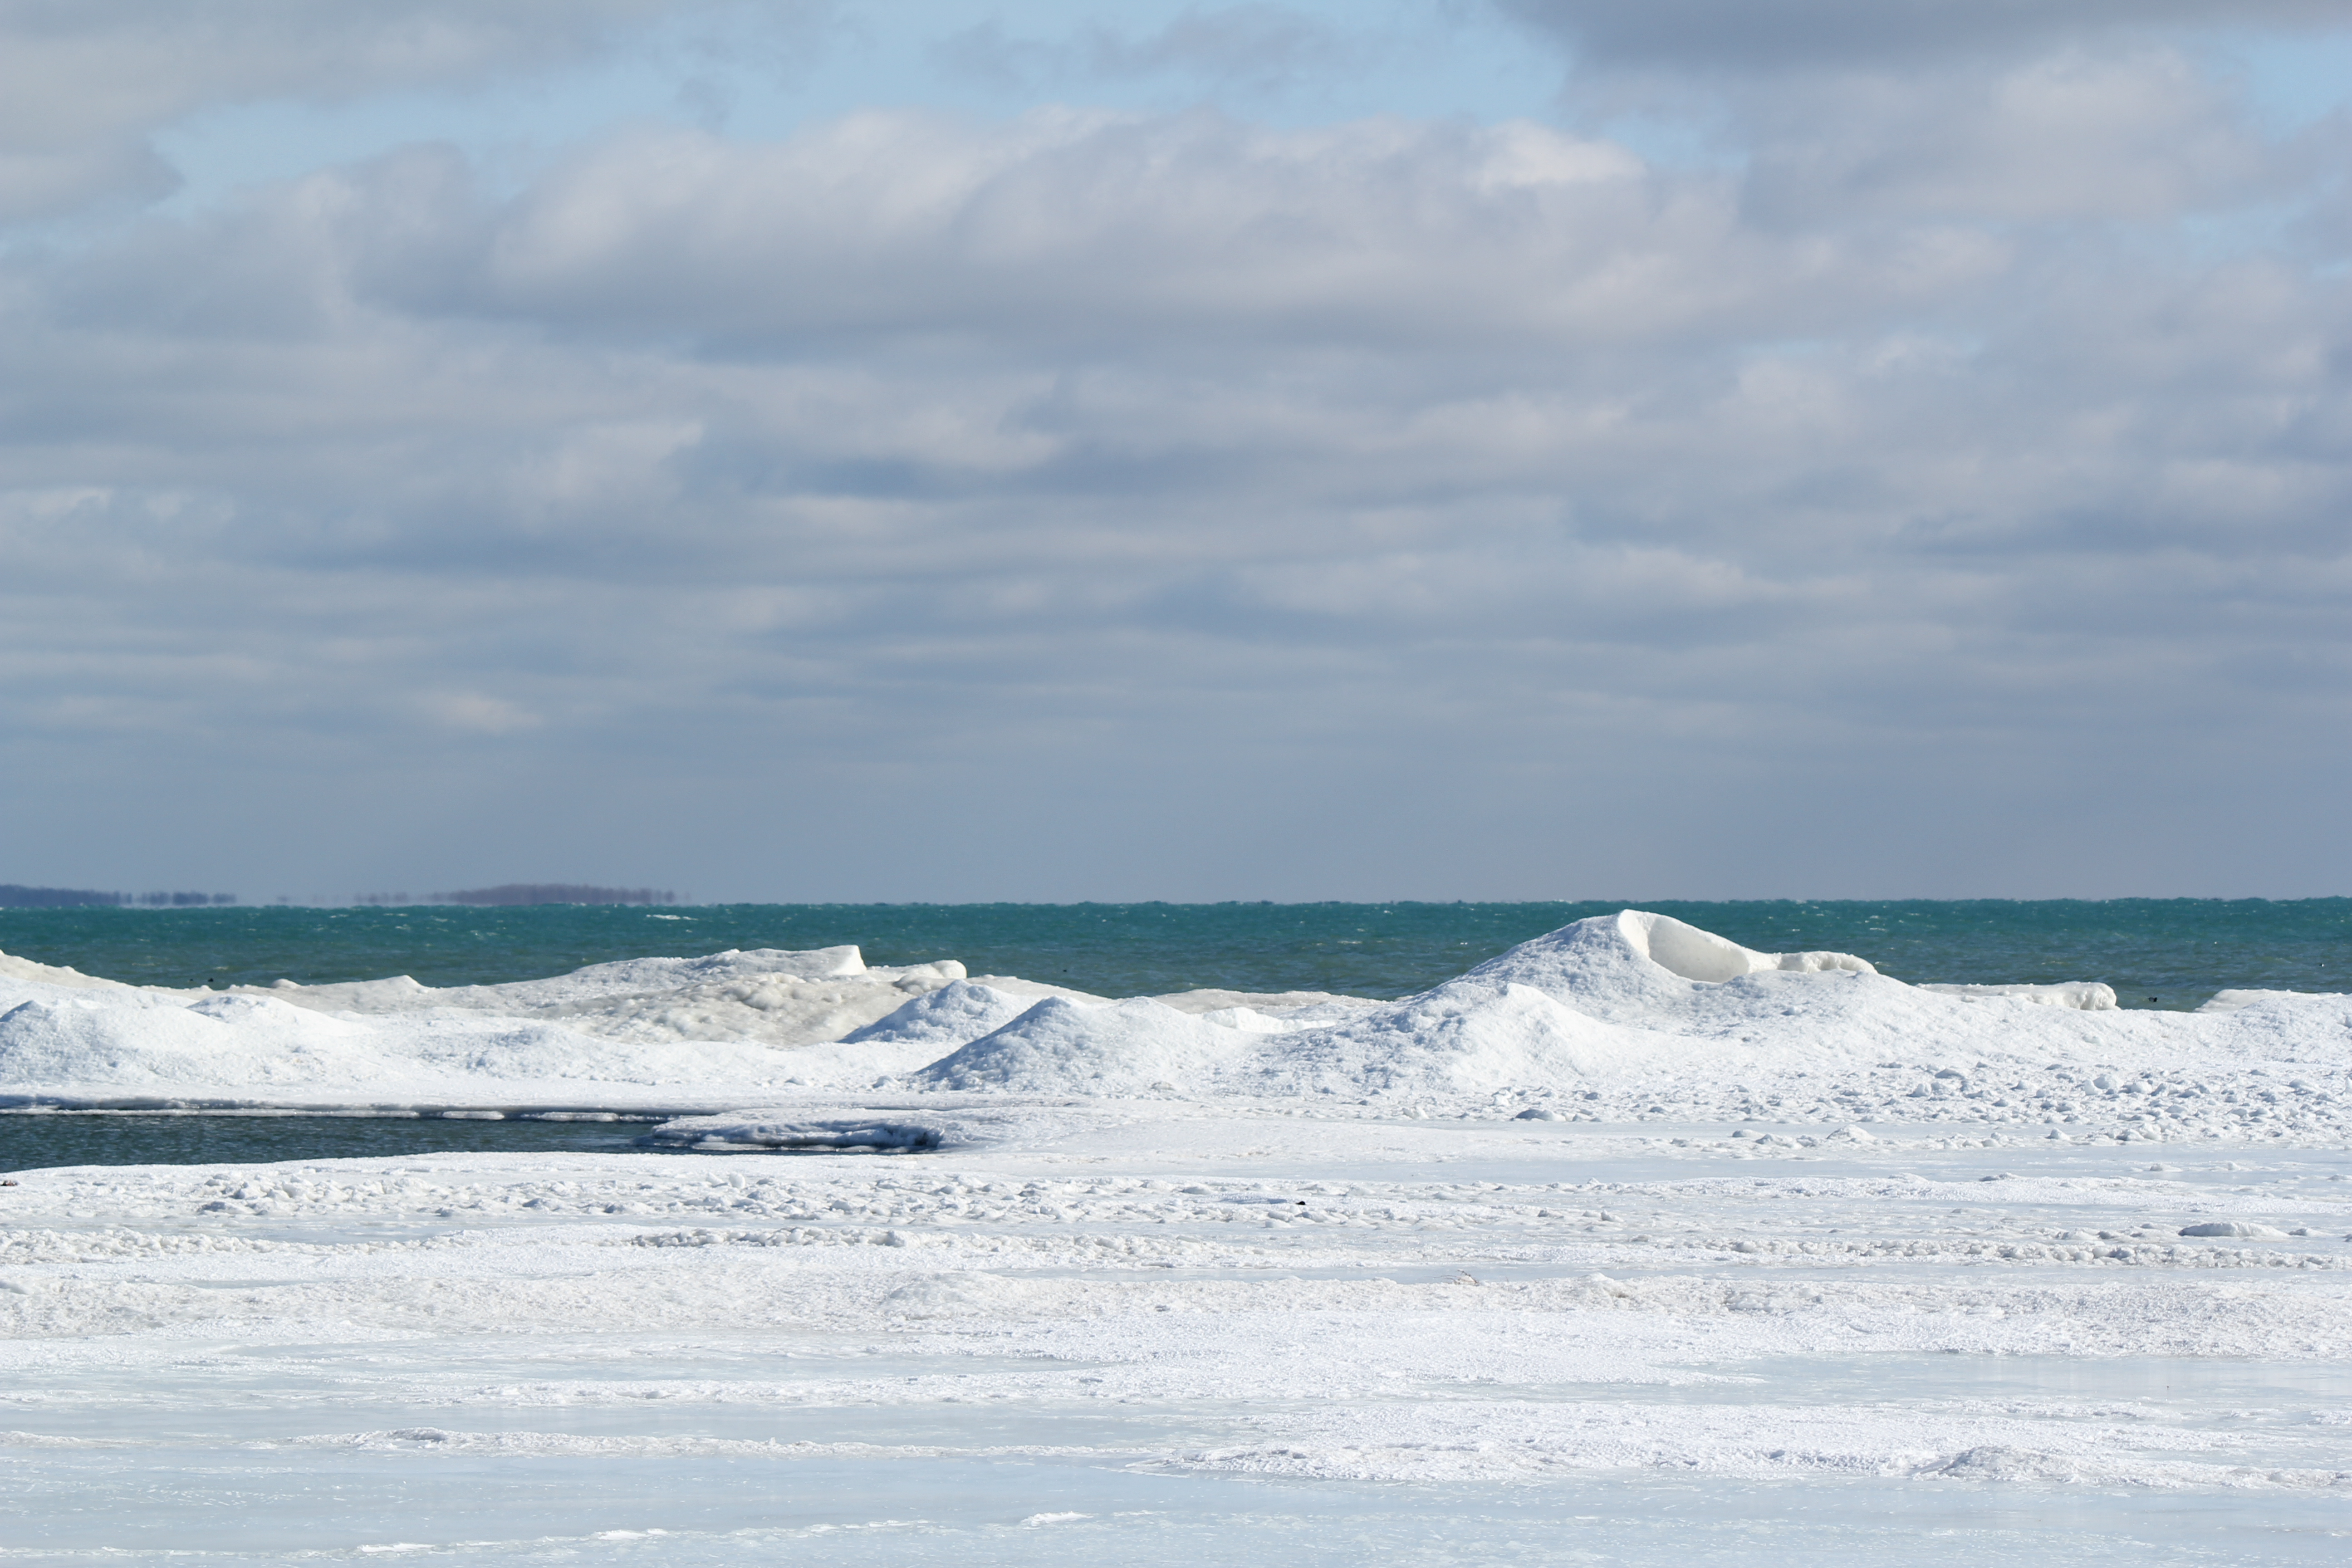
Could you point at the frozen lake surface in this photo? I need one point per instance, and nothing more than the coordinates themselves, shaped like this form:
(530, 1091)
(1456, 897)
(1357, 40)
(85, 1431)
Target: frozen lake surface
(1433, 1357)
(1867, 1274)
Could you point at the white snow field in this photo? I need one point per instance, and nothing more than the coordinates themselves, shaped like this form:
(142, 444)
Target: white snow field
(1629, 1247)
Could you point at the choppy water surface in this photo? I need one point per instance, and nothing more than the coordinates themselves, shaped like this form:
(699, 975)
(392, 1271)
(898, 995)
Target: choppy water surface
(2165, 953)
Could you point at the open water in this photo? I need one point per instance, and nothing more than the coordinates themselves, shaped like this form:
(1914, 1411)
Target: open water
(2162, 952)
(36, 1139)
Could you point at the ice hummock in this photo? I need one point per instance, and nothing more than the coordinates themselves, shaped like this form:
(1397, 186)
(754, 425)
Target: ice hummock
(1630, 998)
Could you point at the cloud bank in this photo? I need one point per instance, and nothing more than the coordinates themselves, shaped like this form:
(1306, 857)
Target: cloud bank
(1938, 485)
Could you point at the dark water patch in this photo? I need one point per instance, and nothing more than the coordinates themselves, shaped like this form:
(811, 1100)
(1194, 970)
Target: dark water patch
(2164, 953)
(33, 1140)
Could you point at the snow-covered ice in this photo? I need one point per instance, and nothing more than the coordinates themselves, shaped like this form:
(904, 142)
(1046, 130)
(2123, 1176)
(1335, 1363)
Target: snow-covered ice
(1602, 1019)
(1629, 1246)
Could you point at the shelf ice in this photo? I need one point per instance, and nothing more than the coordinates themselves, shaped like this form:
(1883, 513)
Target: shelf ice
(1629, 1016)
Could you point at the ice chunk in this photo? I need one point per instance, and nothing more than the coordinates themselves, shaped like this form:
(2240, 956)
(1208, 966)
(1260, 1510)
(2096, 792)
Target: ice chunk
(2243, 1229)
(751, 1132)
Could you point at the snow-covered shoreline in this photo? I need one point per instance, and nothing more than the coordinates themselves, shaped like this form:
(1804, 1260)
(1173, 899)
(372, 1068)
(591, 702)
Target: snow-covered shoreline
(1097, 1320)
(1782, 1261)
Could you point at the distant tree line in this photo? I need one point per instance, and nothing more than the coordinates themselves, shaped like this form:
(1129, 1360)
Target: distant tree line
(533, 894)
(15, 897)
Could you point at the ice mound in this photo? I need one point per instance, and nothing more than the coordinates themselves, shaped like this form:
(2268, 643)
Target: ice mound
(955, 1014)
(1059, 1046)
(20, 973)
(1471, 1035)
(1634, 995)
(220, 1041)
(1562, 1007)
(1553, 1009)
(772, 996)
(1634, 963)
(258, 1050)
(1636, 1005)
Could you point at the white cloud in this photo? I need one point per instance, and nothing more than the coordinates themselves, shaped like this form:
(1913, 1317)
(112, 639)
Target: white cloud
(1074, 233)
(1946, 496)
(475, 713)
(1809, 35)
(2072, 135)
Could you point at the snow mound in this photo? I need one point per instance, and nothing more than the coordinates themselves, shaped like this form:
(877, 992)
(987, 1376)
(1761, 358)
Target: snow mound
(1482, 1032)
(20, 973)
(1058, 1047)
(1671, 1016)
(966, 1011)
(221, 1043)
(1470, 1036)
(772, 996)
(258, 1050)
(955, 1014)
(1634, 964)
(1620, 996)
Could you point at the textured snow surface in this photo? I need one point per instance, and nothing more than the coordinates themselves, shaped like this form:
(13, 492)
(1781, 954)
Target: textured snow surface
(1153, 1332)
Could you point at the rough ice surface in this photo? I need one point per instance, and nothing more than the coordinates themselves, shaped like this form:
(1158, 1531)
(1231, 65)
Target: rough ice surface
(1629, 1246)
(1603, 1017)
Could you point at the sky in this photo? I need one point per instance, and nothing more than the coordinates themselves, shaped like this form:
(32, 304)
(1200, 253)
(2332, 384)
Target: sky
(1042, 451)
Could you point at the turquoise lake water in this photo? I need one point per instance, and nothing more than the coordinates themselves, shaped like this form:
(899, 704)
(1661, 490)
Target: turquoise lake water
(2166, 952)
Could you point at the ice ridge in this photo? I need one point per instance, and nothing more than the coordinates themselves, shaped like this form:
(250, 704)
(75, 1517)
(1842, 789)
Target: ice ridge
(1635, 1006)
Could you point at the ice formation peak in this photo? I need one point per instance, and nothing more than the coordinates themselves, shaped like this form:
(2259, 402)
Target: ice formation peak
(1702, 955)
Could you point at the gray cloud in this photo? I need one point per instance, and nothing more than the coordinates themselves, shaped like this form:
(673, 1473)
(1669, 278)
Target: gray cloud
(1250, 48)
(1167, 506)
(1812, 35)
